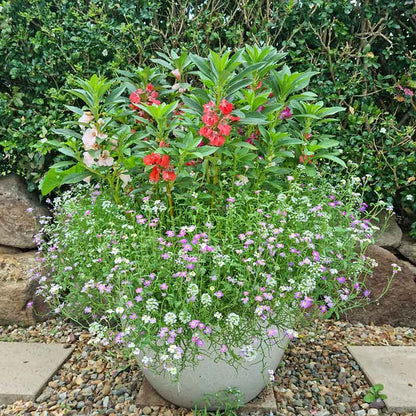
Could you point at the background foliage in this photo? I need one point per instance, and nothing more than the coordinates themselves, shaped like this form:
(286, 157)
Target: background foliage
(363, 50)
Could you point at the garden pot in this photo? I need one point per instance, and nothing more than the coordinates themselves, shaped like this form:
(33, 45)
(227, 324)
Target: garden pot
(210, 384)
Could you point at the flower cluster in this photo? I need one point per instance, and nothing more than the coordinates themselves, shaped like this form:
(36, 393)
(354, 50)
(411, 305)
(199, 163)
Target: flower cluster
(160, 164)
(216, 127)
(168, 290)
(140, 96)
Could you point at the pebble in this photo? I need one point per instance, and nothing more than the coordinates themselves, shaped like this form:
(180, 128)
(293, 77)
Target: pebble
(147, 410)
(106, 401)
(44, 396)
(317, 375)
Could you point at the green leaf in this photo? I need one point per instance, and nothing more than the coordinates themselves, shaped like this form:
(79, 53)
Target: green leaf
(55, 178)
(333, 158)
(67, 151)
(75, 177)
(62, 164)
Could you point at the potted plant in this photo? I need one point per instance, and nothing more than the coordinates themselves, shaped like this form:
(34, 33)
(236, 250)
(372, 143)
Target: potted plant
(208, 233)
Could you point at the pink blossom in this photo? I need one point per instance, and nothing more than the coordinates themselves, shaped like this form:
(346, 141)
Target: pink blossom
(408, 92)
(125, 178)
(176, 73)
(88, 159)
(105, 159)
(86, 118)
(89, 138)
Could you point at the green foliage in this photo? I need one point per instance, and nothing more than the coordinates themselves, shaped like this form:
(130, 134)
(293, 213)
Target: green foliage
(363, 53)
(375, 393)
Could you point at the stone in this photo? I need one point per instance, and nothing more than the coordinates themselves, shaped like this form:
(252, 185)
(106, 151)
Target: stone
(407, 248)
(25, 368)
(395, 368)
(16, 290)
(360, 412)
(147, 410)
(265, 403)
(392, 235)
(9, 250)
(372, 412)
(397, 307)
(17, 225)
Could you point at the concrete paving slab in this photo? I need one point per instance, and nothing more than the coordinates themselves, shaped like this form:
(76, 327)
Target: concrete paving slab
(25, 368)
(395, 368)
(263, 404)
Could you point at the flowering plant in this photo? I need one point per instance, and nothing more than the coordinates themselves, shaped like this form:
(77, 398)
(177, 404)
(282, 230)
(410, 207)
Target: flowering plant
(238, 118)
(255, 264)
(209, 222)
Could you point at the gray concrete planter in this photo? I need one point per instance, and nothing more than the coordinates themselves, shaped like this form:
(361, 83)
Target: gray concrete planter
(209, 382)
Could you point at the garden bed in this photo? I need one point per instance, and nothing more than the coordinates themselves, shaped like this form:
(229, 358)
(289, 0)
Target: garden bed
(310, 380)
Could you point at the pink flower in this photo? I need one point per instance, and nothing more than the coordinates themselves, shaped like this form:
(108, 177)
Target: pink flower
(88, 138)
(164, 286)
(224, 349)
(105, 159)
(176, 74)
(86, 118)
(125, 179)
(219, 294)
(88, 159)
(408, 92)
(286, 113)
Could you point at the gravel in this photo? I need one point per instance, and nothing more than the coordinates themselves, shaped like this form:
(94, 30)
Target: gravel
(317, 376)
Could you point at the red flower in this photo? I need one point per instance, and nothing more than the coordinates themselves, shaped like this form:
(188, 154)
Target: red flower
(209, 106)
(152, 159)
(164, 161)
(154, 174)
(305, 158)
(210, 118)
(149, 88)
(216, 139)
(135, 97)
(226, 107)
(225, 129)
(169, 174)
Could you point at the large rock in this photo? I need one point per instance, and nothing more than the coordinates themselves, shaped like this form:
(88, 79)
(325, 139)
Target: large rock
(398, 306)
(392, 235)
(16, 290)
(17, 225)
(408, 248)
(9, 250)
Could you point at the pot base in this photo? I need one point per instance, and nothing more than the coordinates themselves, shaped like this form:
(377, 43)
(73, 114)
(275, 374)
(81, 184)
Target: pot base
(263, 404)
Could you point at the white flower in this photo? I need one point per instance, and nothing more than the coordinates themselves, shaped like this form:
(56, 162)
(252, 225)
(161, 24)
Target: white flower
(146, 360)
(119, 310)
(170, 318)
(218, 315)
(383, 130)
(152, 304)
(233, 319)
(136, 351)
(184, 317)
(164, 357)
(206, 299)
(193, 289)
(172, 348)
(172, 370)
(146, 319)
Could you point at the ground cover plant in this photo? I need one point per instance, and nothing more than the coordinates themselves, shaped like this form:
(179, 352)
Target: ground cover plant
(208, 219)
